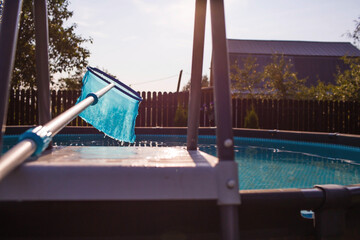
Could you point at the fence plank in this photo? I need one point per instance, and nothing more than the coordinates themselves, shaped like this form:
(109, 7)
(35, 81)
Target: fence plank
(34, 107)
(238, 113)
(337, 117)
(72, 103)
(281, 116)
(306, 115)
(234, 116)
(21, 113)
(77, 119)
(291, 113)
(17, 107)
(58, 103)
(261, 107)
(172, 109)
(10, 116)
(341, 116)
(137, 122)
(288, 114)
(331, 117)
(353, 117)
(275, 113)
(53, 104)
(27, 107)
(165, 110)
(154, 110)
(186, 103)
(315, 115)
(202, 109)
(160, 121)
(148, 109)
(357, 117)
(207, 102)
(309, 126)
(346, 117)
(301, 115)
(327, 116)
(142, 110)
(264, 120)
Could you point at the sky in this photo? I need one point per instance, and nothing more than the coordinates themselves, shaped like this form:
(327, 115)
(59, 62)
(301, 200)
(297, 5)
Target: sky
(145, 43)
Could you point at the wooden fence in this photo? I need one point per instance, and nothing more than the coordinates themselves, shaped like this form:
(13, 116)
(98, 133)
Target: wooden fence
(158, 110)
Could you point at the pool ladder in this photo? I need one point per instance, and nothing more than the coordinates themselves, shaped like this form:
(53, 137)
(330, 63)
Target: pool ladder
(37, 139)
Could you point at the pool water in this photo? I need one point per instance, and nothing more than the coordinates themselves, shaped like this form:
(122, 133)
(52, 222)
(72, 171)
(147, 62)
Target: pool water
(263, 163)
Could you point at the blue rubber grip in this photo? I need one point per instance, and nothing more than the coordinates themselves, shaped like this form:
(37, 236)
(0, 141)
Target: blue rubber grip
(40, 135)
(96, 99)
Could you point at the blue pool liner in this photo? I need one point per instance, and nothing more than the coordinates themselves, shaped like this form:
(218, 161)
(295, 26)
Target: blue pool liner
(116, 111)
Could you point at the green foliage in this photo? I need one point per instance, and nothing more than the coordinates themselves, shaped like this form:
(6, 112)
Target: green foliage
(66, 53)
(280, 82)
(180, 119)
(251, 119)
(320, 92)
(245, 80)
(347, 87)
(73, 82)
(204, 83)
(348, 82)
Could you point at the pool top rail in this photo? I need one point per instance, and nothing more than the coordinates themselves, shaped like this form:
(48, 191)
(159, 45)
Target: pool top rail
(140, 173)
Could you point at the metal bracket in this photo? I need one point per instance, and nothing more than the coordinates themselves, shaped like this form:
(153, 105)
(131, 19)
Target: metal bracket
(227, 183)
(330, 217)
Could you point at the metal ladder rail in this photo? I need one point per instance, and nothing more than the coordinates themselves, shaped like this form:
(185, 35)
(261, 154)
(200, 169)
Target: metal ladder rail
(228, 196)
(36, 140)
(8, 39)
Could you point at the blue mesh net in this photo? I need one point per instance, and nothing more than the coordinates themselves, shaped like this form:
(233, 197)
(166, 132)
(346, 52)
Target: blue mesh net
(116, 111)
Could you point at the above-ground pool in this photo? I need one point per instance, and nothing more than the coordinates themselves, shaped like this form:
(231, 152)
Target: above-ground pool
(263, 163)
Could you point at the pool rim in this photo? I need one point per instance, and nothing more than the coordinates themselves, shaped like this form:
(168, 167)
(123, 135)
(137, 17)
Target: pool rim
(299, 136)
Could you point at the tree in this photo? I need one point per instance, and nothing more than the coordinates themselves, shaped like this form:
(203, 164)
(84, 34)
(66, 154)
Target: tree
(246, 79)
(180, 119)
(66, 54)
(74, 82)
(204, 83)
(251, 119)
(355, 35)
(321, 91)
(280, 82)
(348, 82)
(1, 9)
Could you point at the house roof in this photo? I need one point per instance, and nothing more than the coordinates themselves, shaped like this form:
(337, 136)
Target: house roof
(302, 48)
